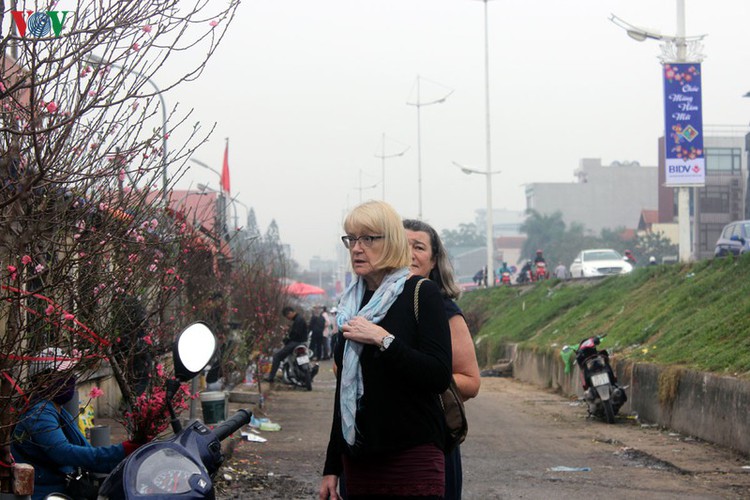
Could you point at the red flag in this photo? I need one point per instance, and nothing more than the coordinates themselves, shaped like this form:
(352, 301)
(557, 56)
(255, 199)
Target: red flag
(225, 171)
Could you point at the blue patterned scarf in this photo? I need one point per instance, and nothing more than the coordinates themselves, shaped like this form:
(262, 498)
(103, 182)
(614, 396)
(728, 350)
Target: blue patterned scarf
(352, 387)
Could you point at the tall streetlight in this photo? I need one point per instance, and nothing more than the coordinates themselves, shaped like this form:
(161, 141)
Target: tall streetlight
(418, 104)
(674, 49)
(489, 229)
(490, 242)
(383, 157)
(99, 60)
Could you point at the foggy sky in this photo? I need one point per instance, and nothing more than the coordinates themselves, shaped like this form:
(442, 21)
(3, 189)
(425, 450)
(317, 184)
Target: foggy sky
(304, 90)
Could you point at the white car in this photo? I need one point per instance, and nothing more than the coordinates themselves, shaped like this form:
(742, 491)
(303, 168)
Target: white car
(599, 262)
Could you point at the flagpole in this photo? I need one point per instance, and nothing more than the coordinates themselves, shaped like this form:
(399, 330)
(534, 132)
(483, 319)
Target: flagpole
(225, 185)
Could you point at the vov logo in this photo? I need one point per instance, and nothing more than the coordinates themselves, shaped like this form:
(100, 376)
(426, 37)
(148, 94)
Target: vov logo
(40, 23)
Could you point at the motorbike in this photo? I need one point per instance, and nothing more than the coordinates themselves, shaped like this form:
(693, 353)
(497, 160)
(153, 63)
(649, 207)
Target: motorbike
(505, 278)
(297, 369)
(184, 464)
(603, 396)
(541, 271)
(525, 275)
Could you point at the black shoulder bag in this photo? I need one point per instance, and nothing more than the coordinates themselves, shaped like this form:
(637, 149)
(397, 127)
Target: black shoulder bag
(453, 406)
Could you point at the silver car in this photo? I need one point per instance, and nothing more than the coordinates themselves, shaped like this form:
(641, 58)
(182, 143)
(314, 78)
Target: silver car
(599, 262)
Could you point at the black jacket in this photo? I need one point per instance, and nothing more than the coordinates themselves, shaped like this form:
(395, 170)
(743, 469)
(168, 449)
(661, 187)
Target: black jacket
(317, 325)
(298, 330)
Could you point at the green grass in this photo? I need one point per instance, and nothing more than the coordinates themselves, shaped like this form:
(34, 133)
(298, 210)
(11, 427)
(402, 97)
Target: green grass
(693, 315)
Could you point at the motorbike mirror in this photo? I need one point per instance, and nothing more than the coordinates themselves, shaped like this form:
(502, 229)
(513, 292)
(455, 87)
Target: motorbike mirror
(192, 351)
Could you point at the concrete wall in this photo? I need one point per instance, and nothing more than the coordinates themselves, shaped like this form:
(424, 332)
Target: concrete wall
(709, 407)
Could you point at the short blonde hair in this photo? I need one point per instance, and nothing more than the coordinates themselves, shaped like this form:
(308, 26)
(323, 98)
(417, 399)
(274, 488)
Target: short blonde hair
(379, 218)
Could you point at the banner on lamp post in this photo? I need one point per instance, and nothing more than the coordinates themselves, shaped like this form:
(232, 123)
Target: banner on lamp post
(683, 116)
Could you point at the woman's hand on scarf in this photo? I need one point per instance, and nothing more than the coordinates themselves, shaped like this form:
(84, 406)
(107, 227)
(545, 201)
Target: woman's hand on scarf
(363, 331)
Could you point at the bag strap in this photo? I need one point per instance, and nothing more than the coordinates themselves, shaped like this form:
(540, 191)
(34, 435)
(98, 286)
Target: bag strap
(416, 299)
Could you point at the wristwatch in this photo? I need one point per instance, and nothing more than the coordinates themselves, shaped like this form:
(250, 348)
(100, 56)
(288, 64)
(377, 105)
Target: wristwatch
(386, 342)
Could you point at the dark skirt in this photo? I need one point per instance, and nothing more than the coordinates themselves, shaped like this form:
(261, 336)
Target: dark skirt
(416, 472)
(453, 475)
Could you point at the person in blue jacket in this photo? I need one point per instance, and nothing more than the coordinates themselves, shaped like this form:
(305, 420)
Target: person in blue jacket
(47, 436)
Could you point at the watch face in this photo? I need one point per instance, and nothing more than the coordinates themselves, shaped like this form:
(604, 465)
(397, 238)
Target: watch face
(387, 341)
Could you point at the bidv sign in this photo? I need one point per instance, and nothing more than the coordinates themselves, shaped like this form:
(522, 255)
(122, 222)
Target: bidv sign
(40, 23)
(685, 162)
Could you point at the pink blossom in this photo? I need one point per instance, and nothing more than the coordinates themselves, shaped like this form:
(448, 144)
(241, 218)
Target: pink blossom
(52, 107)
(25, 260)
(68, 317)
(152, 267)
(136, 47)
(2, 87)
(213, 24)
(50, 309)
(166, 136)
(95, 393)
(121, 175)
(39, 268)
(11, 269)
(160, 370)
(147, 339)
(147, 28)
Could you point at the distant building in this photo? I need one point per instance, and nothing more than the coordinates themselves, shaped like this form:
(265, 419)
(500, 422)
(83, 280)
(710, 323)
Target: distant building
(721, 200)
(509, 240)
(508, 249)
(504, 222)
(603, 197)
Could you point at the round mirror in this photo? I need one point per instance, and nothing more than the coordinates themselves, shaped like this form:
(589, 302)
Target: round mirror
(193, 350)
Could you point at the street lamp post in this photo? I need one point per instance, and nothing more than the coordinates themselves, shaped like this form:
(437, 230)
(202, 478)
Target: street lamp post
(490, 223)
(383, 157)
(418, 104)
(674, 49)
(490, 242)
(99, 60)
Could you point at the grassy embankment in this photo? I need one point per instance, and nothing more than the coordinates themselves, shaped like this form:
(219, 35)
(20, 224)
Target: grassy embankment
(696, 316)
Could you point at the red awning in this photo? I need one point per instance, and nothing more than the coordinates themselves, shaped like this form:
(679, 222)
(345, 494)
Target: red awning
(299, 288)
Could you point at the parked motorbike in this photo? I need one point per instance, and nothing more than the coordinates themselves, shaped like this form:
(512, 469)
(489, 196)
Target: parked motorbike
(297, 369)
(603, 396)
(184, 464)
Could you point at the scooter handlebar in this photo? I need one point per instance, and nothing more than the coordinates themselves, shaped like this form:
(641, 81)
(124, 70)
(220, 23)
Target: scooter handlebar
(226, 428)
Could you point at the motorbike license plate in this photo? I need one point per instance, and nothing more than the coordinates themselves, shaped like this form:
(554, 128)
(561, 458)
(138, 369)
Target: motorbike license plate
(303, 360)
(598, 379)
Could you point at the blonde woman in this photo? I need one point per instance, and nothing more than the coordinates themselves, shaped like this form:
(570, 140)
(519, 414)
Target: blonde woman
(388, 431)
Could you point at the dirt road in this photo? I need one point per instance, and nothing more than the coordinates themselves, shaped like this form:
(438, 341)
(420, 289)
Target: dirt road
(518, 436)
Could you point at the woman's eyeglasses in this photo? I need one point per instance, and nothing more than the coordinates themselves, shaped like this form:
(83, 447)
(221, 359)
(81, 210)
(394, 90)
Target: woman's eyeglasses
(366, 240)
